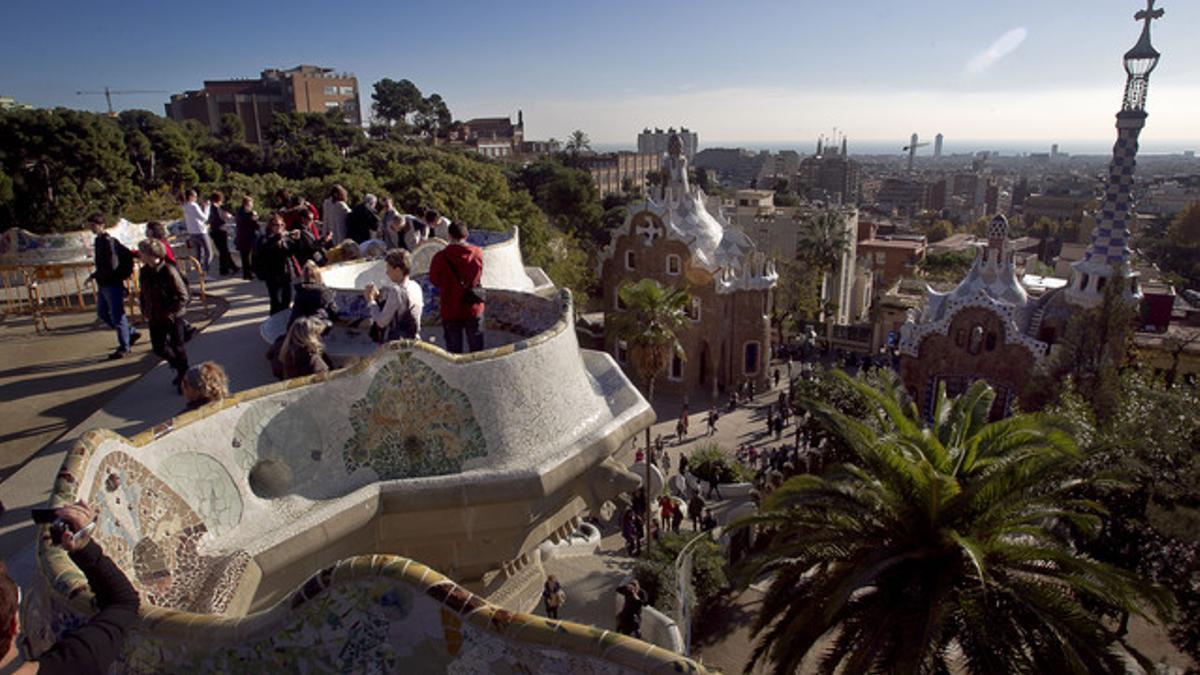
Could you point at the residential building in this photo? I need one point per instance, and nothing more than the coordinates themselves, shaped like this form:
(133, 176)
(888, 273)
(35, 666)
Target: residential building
(736, 167)
(9, 103)
(830, 175)
(611, 172)
(655, 142)
(892, 257)
(303, 89)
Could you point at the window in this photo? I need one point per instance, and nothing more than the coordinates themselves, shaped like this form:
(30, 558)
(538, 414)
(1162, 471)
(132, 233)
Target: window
(990, 343)
(976, 341)
(630, 261)
(750, 363)
(694, 310)
(331, 105)
(618, 304)
(673, 264)
(1083, 282)
(331, 91)
(347, 91)
(1100, 283)
(622, 351)
(676, 368)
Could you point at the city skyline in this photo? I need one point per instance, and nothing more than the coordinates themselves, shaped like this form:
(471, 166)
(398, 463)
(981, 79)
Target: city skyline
(763, 74)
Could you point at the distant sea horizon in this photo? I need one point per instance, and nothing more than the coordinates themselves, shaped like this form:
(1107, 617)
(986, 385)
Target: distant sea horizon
(949, 147)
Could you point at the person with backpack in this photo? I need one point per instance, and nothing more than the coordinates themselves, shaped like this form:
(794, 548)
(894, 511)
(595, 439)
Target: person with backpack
(457, 271)
(164, 296)
(114, 264)
(396, 308)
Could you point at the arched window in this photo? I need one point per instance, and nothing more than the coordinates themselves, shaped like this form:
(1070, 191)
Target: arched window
(673, 265)
(630, 261)
(976, 341)
(750, 362)
(694, 310)
(676, 368)
(990, 343)
(1083, 282)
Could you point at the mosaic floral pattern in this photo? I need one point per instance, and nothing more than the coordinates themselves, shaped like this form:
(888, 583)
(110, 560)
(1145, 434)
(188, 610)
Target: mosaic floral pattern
(411, 423)
(147, 528)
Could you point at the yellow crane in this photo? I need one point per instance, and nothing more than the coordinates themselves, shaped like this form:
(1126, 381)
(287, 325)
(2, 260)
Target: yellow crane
(109, 93)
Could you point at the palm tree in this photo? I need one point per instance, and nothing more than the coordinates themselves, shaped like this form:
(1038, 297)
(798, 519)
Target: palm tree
(821, 245)
(940, 549)
(578, 142)
(649, 325)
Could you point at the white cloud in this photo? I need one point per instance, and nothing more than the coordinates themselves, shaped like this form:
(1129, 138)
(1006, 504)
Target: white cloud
(1003, 46)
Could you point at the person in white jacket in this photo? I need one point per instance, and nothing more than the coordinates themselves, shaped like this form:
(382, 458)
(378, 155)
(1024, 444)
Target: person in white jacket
(334, 212)
(195, 217)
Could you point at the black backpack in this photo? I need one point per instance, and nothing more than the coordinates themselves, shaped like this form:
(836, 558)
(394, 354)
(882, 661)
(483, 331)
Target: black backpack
(124, 267)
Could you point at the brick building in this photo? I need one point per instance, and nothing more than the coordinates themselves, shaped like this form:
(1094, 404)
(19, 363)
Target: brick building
(305, 89)
(678, 242)
(892, 258)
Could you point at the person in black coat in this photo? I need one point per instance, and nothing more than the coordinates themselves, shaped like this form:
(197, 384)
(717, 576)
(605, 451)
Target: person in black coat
(164, 297)
(274, 263)
(247, 235)
(218, 231)
(362, 220)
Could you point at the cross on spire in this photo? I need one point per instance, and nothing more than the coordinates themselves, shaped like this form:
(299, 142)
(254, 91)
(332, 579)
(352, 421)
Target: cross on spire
(1149, 14)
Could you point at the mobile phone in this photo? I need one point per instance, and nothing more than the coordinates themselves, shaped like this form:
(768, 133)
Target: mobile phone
(44, 516)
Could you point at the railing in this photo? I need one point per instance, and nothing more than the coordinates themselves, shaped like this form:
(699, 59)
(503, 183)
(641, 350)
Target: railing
(42, 290)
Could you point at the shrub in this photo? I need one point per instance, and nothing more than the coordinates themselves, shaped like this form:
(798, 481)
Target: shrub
(656, 573)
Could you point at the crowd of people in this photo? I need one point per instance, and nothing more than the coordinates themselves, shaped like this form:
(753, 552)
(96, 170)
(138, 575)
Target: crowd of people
(287, 251)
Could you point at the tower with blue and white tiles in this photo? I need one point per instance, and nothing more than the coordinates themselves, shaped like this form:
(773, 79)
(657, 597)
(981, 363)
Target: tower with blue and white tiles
(1108, 253)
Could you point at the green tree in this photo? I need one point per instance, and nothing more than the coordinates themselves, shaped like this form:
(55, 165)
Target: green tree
(231, 129)
(940, 539)
(947, 266)
(395, 101)
(568, 196)
(822, 242)
(578, 143)
(650, 325)
(939, 230)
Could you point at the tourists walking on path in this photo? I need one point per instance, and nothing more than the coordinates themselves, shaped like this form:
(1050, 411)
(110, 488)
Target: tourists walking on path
(195, 218)
(629, 621)
(457, 270)
(553, 596)
(114, 264)
(218, 222)
(164, 297)
(246, 220)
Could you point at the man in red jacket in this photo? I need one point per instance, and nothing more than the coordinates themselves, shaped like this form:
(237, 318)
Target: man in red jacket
(456, 270)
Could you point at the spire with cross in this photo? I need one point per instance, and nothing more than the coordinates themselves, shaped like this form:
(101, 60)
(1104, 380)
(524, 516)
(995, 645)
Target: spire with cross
(1108, 253)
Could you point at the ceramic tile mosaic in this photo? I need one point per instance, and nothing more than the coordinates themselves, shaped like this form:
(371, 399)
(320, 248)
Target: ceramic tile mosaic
(411, 423)
(147, 528)
(205, 484)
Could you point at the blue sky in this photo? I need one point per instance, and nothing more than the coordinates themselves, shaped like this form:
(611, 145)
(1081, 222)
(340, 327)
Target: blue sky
(734, 71)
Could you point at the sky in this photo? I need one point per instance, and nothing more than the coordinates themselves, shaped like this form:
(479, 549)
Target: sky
(742, 72)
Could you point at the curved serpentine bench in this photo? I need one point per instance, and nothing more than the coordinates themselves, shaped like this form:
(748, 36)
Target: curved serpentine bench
(466, 462)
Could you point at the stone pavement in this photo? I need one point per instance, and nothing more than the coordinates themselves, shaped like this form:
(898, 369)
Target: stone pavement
(231, 340)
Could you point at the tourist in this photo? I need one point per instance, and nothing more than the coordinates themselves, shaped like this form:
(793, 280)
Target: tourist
(204, 384)
(553, 596)
(708, 523)
(164, 297)
(666, 509)
(195, 218)
(396, 307)
(437, 225)
(274, 263)
(299, 212)
(631, 531)
(246, 237)
(344, 252)
(334, 212)
(666, 462)
(683, 464)
(311, 297)
(629, 621)
(680, 431)
(156, 230)
(374, 248)
(302, 352)
(712, 420)
(305, 246)
(776, 377)
(362, 221)
(218, 219)
(695, 509)
(779, 427)
(457, 270)
(92, 647)
(114, 264)
(391, 222)
(676, 514)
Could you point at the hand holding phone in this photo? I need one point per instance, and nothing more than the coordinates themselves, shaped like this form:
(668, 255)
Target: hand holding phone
(70, 526)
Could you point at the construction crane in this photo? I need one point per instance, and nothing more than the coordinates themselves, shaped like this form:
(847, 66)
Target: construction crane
(108, 94)
(911, 148)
